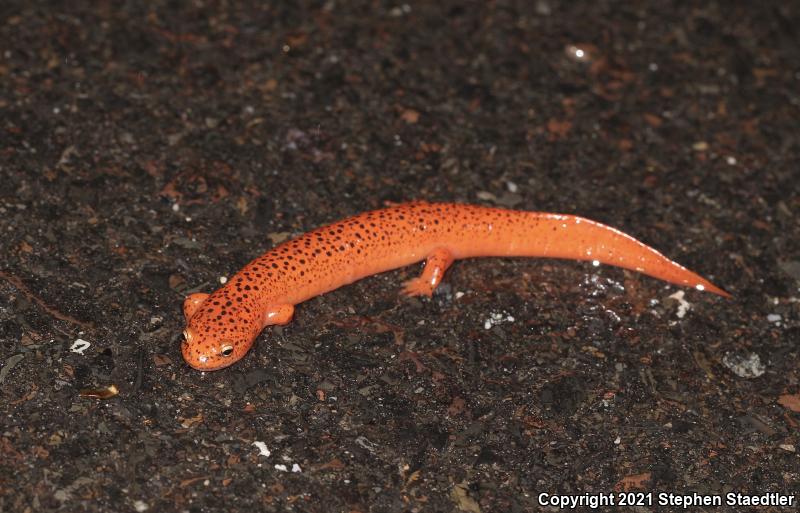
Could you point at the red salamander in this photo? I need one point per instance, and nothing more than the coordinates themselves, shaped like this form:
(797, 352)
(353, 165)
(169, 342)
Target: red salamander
(222, 326)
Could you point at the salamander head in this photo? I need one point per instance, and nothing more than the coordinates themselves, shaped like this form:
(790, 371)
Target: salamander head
(217, 332)
(207, 352)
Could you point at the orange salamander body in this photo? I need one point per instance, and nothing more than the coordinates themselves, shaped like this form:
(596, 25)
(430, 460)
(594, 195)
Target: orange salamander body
(222, 326)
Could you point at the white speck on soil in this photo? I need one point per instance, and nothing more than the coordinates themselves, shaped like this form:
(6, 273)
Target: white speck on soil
(262, 449)
(79, 346)
(748, 366)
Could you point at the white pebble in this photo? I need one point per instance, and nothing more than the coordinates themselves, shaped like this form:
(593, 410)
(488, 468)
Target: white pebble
(683, 305)
(497, 318)
(749, 366)
(262, 449)
(79, 346)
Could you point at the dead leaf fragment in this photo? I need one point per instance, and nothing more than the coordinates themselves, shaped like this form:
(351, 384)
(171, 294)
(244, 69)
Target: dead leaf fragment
(100, 393)
(652, 120)
(160, 360)
(191, 481)
(558, 128)
(594, 352)
(176, 281)
(40, 452)
(462, 499)
(334, 464)
(242, 205)
(191, 421)
(456, 407)
(278, 237)
(270, 85)
(410, 116)
(633, 482)
(791, 401)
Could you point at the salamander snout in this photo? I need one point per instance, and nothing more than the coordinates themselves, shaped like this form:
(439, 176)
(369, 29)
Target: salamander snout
(207, 353)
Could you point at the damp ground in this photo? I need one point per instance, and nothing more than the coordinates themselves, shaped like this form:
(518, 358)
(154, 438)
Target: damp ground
(150, 150)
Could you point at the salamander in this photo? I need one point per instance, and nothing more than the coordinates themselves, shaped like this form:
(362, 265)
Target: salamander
(221, 327)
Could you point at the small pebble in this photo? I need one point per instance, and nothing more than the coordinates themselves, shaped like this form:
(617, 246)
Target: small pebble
(497, 318)
(749, 366)
(79, 346)
(262, 449)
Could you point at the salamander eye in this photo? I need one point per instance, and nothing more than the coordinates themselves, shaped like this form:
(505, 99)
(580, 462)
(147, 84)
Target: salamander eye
(187, 337)
(227, 350)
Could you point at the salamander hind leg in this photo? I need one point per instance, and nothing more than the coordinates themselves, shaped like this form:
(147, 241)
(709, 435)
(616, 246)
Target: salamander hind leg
(279, 314)
(435, 267)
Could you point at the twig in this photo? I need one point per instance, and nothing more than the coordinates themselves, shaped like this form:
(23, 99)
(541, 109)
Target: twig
(16, 282)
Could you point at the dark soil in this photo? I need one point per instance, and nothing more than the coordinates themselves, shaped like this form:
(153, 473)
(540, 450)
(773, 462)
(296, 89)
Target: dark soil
(147, 150)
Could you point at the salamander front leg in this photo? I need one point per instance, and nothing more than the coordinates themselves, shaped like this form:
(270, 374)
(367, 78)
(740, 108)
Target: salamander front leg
(192, 304)
(435, 266)
(278, 314)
